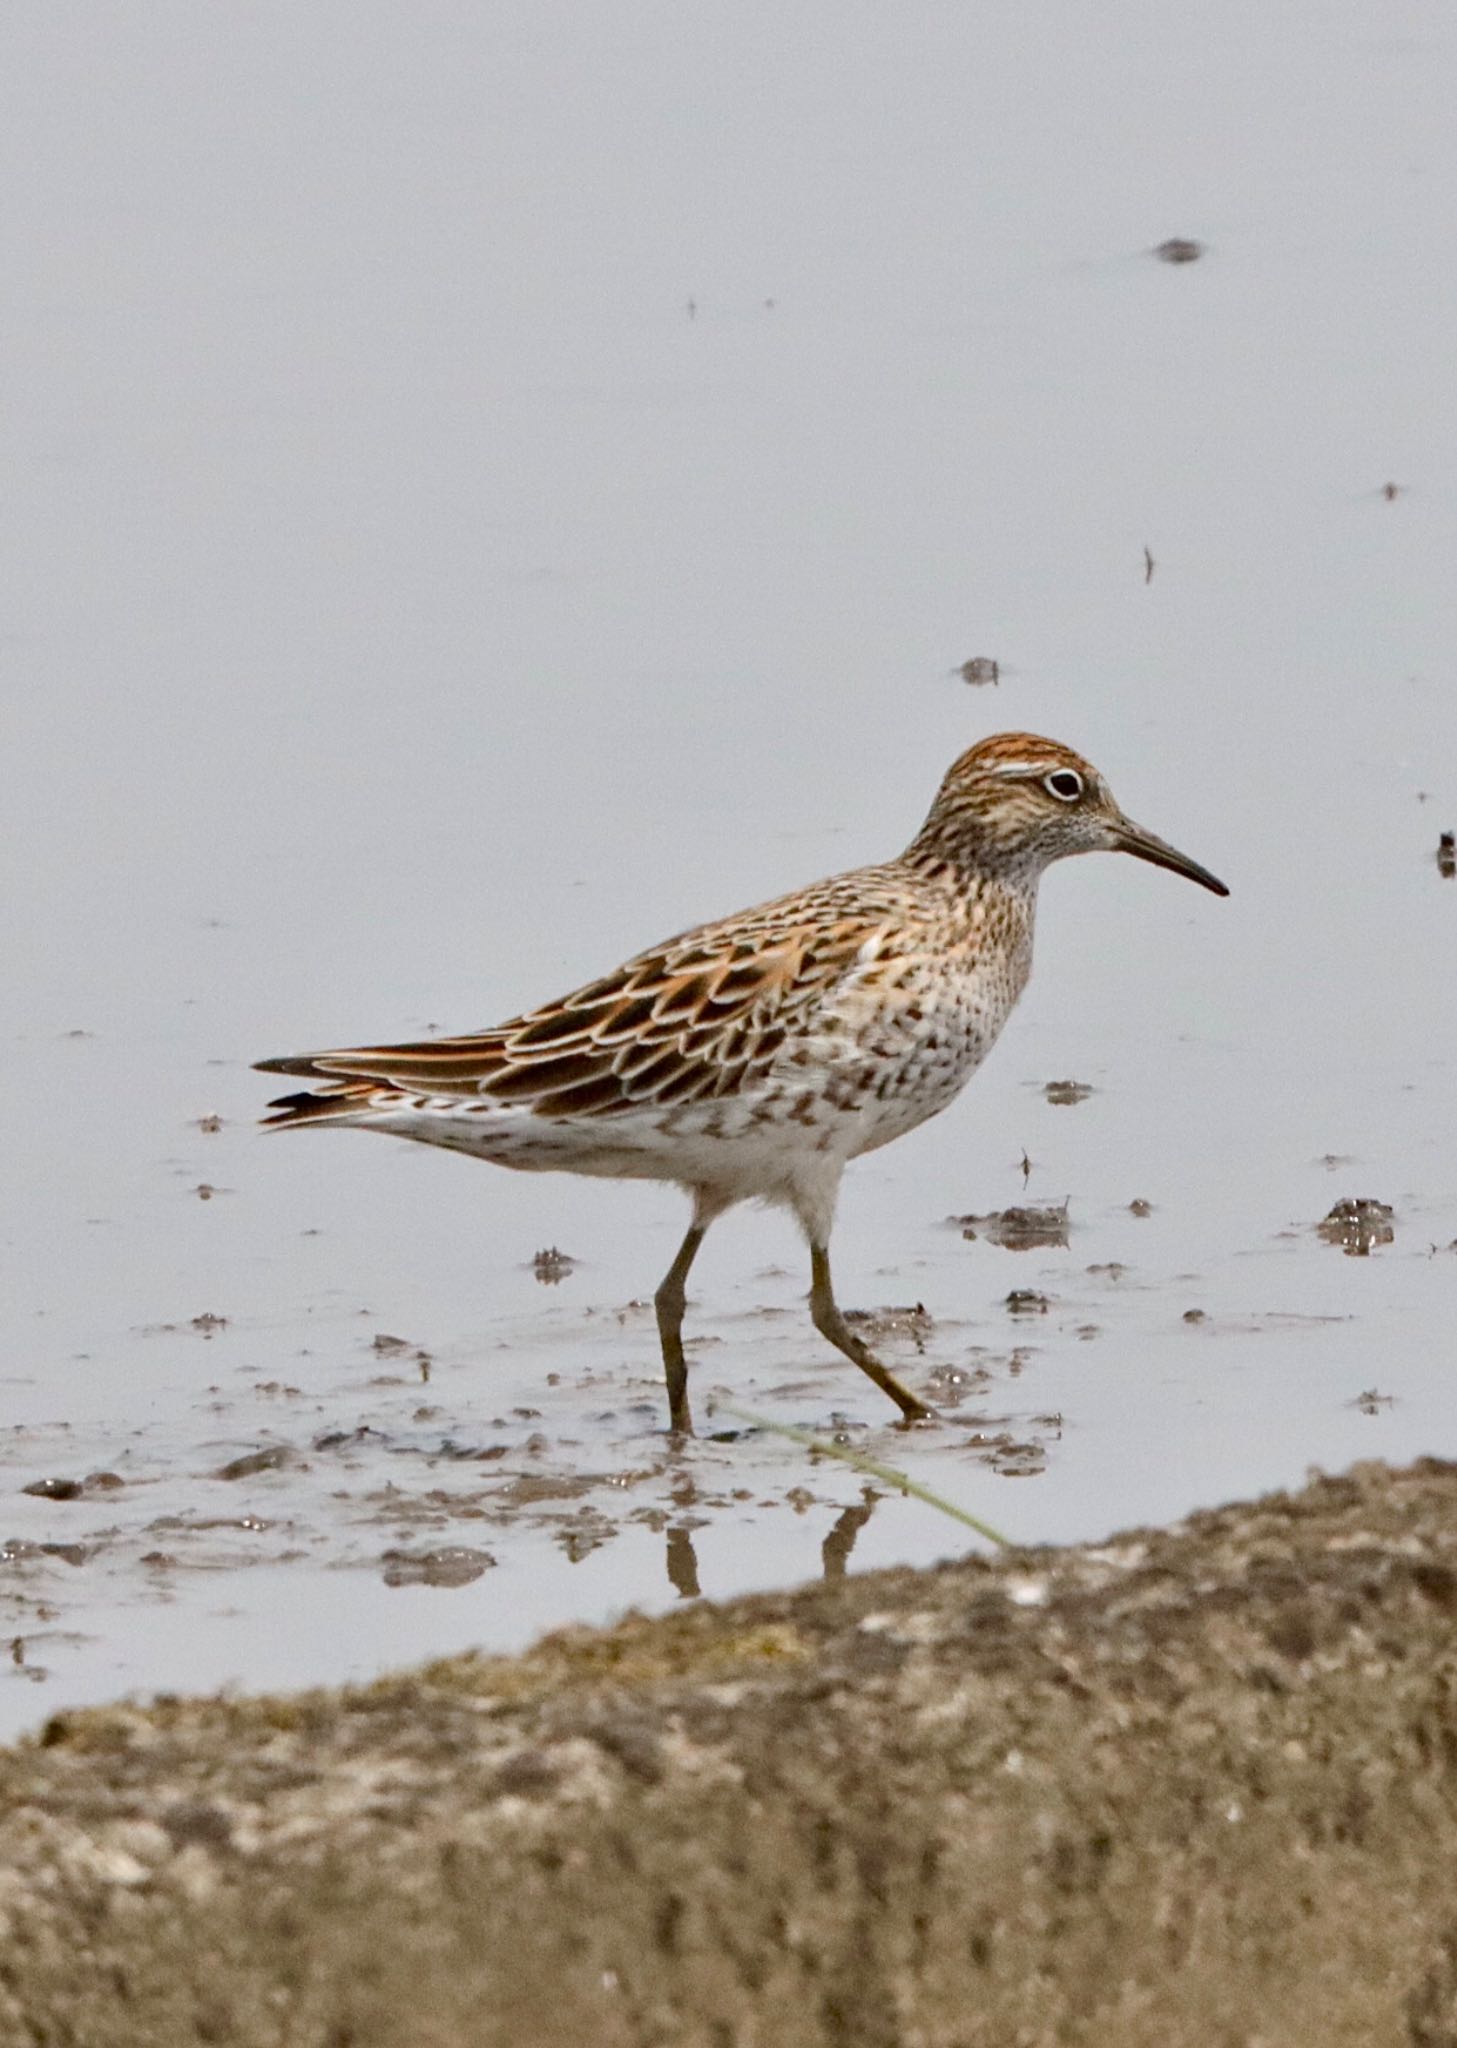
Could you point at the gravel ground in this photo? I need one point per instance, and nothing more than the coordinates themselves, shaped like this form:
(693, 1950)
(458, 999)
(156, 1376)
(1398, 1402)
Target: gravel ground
(1194, 1785)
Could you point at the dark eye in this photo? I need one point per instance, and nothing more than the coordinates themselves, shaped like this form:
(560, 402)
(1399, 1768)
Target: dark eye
(1065, 784)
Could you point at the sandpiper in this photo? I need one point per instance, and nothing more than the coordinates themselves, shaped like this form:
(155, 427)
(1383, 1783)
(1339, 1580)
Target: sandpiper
(755, 1057)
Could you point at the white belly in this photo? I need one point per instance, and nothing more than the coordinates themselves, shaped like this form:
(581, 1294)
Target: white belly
(882, 1062)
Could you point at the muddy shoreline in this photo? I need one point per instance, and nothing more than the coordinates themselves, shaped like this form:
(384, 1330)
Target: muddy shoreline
(1197, 1785)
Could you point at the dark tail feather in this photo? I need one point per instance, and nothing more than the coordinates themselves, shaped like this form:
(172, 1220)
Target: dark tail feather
(341, 1099)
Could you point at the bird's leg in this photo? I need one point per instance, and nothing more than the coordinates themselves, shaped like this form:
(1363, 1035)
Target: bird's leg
(830, 1323)
(669, 1302)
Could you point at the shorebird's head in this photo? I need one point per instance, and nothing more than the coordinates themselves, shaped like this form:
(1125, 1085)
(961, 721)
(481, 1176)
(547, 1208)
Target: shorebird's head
(1015, 803)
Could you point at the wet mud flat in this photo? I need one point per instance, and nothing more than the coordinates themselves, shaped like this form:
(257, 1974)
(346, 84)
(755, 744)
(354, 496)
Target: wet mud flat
(1191, 1786)
(391, 1503)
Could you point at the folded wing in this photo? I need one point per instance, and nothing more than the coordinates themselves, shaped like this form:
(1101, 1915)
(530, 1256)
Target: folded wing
(700, 1018)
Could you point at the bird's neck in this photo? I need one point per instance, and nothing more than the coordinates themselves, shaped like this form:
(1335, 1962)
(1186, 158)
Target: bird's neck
(994, 907)
(961, 852)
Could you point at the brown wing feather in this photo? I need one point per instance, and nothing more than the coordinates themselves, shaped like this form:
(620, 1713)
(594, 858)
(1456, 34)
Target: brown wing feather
(703, 1015)
(314, 1106)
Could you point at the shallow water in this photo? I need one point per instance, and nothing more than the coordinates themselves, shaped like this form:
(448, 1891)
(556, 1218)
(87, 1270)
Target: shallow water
(484, 494)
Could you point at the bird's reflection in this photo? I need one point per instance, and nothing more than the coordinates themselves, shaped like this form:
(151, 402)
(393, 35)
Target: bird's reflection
(836, 1548)
(683, 1563)
(834, 1551)
(682, 1557)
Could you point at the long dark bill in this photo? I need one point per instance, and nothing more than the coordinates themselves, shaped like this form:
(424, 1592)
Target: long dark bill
(1148, 846)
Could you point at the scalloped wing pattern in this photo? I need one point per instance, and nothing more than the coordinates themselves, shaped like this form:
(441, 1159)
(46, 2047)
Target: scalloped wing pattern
(702, 1017)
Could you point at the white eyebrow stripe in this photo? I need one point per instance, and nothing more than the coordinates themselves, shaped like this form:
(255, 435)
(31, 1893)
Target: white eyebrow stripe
(1022, 768)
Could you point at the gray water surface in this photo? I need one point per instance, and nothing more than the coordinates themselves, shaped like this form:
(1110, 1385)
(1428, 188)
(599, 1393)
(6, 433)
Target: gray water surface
(488, 488)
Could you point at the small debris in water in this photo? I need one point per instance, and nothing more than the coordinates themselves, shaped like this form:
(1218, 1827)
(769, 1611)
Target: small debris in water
(1390, 491)
(883, 1324)
(347, 1439)
(1149, 565)
(1179, 249)
(1025, 1301)
(1195, 1315)
(1063, 1094)
(209, 1125)
(400, 1347)
(455, 1565)
(585, 1532)
(1019, 1461)
(73, 1489)
(551, 1266)
(1017, 1229)
(475, 1454)
(266, 1460)
(54, 1489)
(952, 1383)
(209, 1325)
(1138, 1207)
(1357, 1225)
(1370, 1402)
(980, 669)
(1447, 855)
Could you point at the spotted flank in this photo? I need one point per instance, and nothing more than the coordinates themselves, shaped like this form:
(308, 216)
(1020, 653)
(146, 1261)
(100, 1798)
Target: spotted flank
(753, 1058)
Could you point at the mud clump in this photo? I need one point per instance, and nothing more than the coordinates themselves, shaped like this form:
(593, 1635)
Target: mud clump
(1065, 1094)
(270, 1459)
(1179, 249)
(911, 1324)
(1017, 1229)
(58, 1488)
(454, 1565)
(1357, 1225)
(54, 1488)
(1447, 856)
(1371, 1401)
(1066, 1799)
